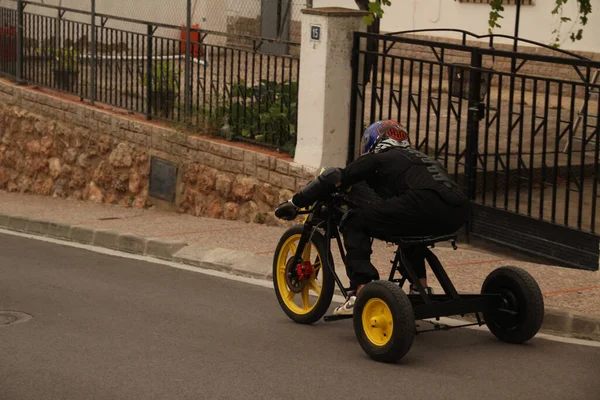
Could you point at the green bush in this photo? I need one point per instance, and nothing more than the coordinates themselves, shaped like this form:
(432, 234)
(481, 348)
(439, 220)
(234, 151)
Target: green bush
(165, 77)
(266, 113)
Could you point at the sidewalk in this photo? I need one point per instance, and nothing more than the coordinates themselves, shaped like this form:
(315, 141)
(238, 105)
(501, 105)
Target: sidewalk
(572, 297)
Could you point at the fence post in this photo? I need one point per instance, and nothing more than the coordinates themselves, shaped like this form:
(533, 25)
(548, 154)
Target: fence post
(188, 62)
(356, 119)
(324, 98)
(149, 73)
(94, 54)
(473, 118)
(19, 71)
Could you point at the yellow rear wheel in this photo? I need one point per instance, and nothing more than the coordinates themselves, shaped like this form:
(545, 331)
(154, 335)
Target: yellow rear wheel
(304, 299)
(377, 321)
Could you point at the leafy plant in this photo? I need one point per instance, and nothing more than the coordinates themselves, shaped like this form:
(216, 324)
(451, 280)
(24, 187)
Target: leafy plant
(165, 77)
(64, 59)
(266, 113)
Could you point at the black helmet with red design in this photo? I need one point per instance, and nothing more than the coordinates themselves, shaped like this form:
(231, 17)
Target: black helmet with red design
(383, 135)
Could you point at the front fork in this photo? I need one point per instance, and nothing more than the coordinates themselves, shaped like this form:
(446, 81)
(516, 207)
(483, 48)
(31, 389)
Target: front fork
(331, 232)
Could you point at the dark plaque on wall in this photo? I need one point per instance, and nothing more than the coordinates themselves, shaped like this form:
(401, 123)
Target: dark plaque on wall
(163, 179)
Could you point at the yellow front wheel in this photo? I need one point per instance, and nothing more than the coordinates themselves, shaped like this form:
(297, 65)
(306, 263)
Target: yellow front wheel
(384, 321)
(304, 290)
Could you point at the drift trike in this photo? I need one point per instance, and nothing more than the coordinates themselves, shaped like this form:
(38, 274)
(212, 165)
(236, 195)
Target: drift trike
(384, 318)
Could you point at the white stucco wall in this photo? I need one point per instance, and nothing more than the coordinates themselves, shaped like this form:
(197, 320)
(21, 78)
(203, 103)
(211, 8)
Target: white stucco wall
(438, 14)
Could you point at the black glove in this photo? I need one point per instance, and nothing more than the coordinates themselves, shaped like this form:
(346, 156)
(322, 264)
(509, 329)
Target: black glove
(286, 211)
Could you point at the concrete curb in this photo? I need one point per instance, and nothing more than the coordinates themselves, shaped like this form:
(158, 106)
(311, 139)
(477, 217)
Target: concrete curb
(126, 242)
(246, 264)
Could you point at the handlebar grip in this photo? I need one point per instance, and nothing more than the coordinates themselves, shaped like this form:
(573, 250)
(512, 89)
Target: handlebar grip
(286, 211)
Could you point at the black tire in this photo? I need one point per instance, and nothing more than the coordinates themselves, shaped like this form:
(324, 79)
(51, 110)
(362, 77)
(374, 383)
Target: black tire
(327, 289)
(523, 297)
(403, 321)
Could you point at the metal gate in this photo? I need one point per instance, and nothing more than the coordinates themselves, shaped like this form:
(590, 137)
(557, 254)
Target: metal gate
(517, 130)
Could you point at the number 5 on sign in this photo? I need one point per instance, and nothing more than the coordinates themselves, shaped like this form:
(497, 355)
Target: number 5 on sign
(315, 32)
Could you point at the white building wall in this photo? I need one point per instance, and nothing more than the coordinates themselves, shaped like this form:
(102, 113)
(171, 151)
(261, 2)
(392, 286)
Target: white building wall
(537, 22)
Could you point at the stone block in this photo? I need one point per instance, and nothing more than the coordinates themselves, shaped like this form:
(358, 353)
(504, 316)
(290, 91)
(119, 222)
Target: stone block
(59, 231)
(82, 234)
(237, 153)
(166, 147)
(105, 128)
(4, 220)
(296, 170)
(9, 89)
(263, 161)
(250, 163)
(106, 238)
(103, 117)
(181, 138)
(192, 142)
(164, 248)
(586, 327)
(237, 167)
(281, 166)
(132, 244)
(250, 170)
(38, 227)
(203, 145)
(56, 103)
(27, 95)
(122, 122)
(220, 162)
(18, 223)
(135, 126)
(262, 174)
(288, 182)
(275, 178)
(557, 321)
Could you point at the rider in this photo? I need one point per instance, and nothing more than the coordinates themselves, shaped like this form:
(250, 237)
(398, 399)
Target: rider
(417, 198)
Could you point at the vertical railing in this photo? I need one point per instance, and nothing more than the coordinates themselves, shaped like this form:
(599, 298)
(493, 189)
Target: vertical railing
(19, 61)
(188, 63)
(150, 33)
(94, 54)
(473, 118)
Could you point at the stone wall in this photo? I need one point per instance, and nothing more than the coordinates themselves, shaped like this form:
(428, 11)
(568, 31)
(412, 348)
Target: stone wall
(56, 147)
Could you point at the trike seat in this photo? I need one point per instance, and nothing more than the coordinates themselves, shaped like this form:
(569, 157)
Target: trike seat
(412, 241)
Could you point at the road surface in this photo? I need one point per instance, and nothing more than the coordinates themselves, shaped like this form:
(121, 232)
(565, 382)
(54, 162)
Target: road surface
(107, 327)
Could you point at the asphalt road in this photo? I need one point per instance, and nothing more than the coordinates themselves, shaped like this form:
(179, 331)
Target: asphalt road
(106, 327)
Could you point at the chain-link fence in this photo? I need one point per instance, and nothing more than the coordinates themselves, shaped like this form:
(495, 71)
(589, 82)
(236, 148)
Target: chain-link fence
(243, 83)
(277, 19)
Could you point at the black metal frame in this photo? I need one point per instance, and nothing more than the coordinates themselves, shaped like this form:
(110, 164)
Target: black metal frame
(330, 213)
(502, 148)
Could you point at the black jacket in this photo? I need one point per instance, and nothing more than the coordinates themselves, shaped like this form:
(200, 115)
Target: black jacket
(397, 171)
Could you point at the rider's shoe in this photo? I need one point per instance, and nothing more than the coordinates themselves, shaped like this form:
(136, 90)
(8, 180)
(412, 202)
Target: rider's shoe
(414, 290)
(347, 308)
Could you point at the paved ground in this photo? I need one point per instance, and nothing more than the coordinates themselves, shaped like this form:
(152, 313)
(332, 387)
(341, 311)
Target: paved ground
(563, 288)
(106, 327)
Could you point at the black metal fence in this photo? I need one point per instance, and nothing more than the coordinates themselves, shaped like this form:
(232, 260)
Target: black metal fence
(518, 130)
(214, 82)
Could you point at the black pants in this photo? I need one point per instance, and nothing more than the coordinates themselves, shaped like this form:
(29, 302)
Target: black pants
(416, 213)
